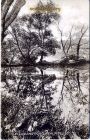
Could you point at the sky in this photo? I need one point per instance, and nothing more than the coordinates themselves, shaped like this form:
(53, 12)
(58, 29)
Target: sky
(73, 12)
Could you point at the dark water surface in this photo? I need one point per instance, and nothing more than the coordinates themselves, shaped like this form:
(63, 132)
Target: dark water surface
(46, 103)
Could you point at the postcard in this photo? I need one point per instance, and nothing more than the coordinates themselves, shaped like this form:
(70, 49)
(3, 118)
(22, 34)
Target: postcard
(45, 69)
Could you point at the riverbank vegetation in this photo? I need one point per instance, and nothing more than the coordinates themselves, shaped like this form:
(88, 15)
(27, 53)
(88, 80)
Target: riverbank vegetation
(30, 37)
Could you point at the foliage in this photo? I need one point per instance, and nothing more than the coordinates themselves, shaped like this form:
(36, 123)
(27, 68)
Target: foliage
(29, 105)
(31, 37)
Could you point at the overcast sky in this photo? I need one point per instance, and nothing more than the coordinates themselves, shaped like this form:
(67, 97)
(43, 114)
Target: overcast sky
(72, 11)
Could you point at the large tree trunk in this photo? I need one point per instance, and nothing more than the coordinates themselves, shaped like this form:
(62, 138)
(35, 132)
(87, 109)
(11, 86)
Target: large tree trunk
(9, 13)
(2, 32)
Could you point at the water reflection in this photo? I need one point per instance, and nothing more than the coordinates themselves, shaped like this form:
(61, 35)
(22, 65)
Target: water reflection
(71, 88)
(41, 104)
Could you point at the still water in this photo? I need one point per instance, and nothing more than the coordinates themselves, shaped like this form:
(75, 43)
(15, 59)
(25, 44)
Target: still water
(49, 103)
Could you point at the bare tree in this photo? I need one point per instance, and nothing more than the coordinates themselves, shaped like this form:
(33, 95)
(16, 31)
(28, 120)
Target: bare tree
(10, 10)
(74, 40)
(83, 30)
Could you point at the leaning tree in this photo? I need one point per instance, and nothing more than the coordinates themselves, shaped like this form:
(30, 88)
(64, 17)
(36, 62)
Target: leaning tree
(10, 10)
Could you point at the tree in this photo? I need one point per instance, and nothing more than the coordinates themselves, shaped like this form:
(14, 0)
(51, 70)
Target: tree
(22, 43)
(41, 22)
(80, 42)
(73, 42)
(26, 44)
(36, 39)
(10, 10)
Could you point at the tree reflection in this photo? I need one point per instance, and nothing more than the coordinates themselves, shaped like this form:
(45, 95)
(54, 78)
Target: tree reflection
(72, 92)
(35, 89)
(71, 87)
(29, 111)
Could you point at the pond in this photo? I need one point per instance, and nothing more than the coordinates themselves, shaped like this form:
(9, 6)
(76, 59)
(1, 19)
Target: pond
(45, 103)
